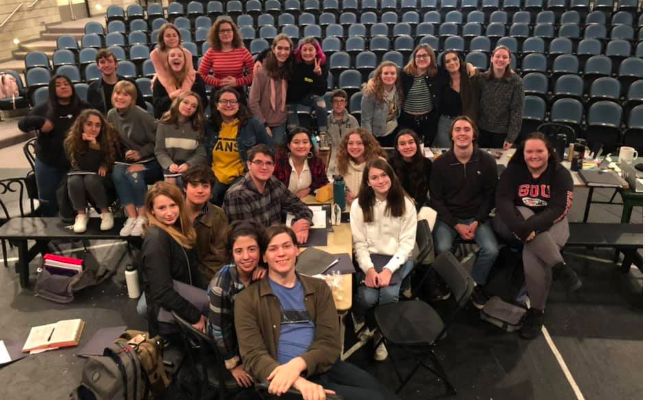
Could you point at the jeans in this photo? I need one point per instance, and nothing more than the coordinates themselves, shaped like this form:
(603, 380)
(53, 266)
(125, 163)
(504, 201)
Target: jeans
(48, 179)
(423, 125)
(315, 102)
(352, 383)
(220, 189)
(442, 140)
(279, 134)
(132, 187)
(80, 186)
(367, 297)
(444, 236)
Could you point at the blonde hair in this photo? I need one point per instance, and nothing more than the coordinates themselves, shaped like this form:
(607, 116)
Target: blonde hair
(181, 76)
(128, 88)
(182, 230)
(376, 88)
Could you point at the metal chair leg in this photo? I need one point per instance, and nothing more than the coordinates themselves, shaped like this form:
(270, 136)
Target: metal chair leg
(5, 256)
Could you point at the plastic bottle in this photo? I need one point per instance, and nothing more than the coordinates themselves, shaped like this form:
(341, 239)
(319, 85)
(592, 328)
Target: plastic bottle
(339, 192)
(132, 281)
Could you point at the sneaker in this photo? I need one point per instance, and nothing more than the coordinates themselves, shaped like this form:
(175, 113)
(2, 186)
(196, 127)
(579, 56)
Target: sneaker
(138, 226)
(80, 223)
(107, 221)
(127, 227)
(533, 322)
(567, 276)
(479, 298)
(380, 353)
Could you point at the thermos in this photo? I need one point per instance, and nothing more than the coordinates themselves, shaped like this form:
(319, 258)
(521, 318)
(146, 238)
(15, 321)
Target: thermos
(578, 154)
(339, 192)
(132, 281)
(561, 144)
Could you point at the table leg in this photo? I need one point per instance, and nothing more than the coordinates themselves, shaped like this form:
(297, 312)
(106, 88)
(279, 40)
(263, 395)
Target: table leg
(341, 321)
(588, 206)
(628, 260)
(22, 265)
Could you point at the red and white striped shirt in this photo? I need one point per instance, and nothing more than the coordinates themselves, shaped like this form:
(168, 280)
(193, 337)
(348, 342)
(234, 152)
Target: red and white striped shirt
(231, 63)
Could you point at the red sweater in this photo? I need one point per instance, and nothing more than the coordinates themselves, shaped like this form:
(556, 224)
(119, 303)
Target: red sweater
(223, 64)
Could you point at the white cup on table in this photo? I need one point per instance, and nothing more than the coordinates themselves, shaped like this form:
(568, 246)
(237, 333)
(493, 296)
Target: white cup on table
(627, 155)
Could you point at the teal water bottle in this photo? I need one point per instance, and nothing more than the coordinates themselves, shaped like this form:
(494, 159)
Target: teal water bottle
(339, 192)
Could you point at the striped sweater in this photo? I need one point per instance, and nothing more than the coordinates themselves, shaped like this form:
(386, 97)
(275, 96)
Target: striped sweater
(178, 145)
(237, 63)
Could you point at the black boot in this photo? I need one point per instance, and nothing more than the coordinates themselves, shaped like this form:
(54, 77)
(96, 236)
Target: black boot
(533, 322)
(567, 276)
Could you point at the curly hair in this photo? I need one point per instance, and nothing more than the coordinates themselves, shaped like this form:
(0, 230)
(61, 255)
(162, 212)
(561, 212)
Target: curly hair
(372, 149)
(243, 113)
(213, 33)
(411, 67)
(197, 119)
(182, 231)
(107, 139)
(376, 88)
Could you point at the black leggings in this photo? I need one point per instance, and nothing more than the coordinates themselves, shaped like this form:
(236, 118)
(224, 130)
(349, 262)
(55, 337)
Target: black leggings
(352, 383)
(424, 126)
(491, 140)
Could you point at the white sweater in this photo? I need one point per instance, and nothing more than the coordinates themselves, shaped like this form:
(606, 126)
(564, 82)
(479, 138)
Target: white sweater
(353, 176)
(387, 235)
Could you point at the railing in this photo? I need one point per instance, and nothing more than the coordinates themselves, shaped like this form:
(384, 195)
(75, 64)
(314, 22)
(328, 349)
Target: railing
(29, 7)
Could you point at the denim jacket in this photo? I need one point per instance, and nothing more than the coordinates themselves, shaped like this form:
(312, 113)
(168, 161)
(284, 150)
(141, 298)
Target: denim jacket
(374, 113)
(249, 134)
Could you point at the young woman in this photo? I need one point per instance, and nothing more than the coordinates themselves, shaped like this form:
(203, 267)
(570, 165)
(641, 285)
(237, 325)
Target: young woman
(460, 96)
(422, 88)
(383, 221)
(168, 255)
(411, 167)
(138, 168)
(230, 133)
(308, 82)
(268, 96)
(91, 147)
(244, 243)
(501, 102)
(179, 134)
(229, 61)
(355, 150)
(167, 39)
(381, 104)
(297, 167)
(178, 71)
(534, 196)
(51, 121)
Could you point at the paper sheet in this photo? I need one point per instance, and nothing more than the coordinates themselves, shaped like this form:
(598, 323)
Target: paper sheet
(4, 354)
(319, 218)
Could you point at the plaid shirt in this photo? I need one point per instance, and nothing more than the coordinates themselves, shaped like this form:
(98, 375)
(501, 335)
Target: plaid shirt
(222, 291)
(283, 170)
(243, 201)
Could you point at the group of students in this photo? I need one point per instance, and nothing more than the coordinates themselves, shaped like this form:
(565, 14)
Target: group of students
(197, 164)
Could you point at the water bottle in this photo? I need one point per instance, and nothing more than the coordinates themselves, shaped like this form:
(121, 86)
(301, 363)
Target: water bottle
(561, 144)
(578, 154)
(132, 281)
(339, 192)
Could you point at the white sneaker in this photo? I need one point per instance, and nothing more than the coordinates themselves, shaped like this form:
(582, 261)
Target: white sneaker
(137, 230)
(107, 221)
(380, 353)
(80, 223)
(127, 227)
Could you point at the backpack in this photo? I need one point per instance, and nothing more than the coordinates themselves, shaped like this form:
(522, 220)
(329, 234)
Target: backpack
(8, 88)
(131, 368)
(507, 316)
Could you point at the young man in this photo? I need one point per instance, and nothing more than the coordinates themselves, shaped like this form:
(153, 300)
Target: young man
(287, 330)
(462, 191)
(99, 94)
(262, 197)
(339, 123)
(210, 222)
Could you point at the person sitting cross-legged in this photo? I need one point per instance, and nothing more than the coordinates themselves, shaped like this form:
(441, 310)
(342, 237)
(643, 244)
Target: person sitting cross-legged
(287, 330)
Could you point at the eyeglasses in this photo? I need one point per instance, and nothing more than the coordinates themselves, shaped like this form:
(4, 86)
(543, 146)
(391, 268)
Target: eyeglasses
(421, 56)
(225, 31)
(261, 164)
(227, 102)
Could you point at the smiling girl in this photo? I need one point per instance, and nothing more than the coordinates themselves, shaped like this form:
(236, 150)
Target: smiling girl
(167, 39)
(384, 222)
(297, 167)
(381, 104)
(179, 133)
(411, 167)
(91, 147)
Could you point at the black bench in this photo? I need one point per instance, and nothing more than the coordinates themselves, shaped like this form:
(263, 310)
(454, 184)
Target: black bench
(625, 238)
(42, 230)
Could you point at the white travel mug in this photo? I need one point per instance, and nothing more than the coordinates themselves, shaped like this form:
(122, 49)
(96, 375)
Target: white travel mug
(132, 282)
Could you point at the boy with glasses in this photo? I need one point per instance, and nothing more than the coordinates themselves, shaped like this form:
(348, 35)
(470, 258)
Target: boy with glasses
(339, 123)
(260, 196)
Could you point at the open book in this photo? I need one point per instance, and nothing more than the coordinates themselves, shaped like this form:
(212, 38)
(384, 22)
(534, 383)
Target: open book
(65, 333)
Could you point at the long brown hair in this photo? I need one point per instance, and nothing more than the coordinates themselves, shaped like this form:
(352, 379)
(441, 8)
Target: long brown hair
(490, 74)
(180, 76)
(213, 33)
(518, 157)
(372, 149)
(107, 139)
(197, 119)
(395, 206)
(271, 66)
(182, 231)
(160, 43)
(376, 88)
(411, 67)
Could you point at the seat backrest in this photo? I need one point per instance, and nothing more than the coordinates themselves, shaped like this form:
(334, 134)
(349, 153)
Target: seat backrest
(536, 83)
(567, 110)
(566, 63)
(92, 72)
(533, 45)
(570, 17)
(636, 118)
(590, 47)
(395, 57)
(366, 59)
(350, 79)
(598, 65)
(70, 71)
(87, 56)
(618, 48)
(36, 59)
(605, 88)
(569, 85)
(340, 60)
(632, 66)
(635, 92)
(454, 43)
(534, 108)
(453, 273)
(606, 114)
(478, 59)
(63, 57)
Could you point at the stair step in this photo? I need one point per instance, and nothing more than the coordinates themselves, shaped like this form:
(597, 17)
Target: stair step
(16, 65)
(54, 36)
(40, 45)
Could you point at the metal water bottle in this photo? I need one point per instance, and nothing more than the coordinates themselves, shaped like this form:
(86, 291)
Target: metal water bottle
(561, 144)
(132, 281)
(339, 192)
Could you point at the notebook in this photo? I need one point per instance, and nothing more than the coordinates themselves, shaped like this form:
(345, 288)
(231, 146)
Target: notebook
(379, 261)
(317, 237)
(101, 339)
(313, 262)
(598, 178)
(66, 333)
